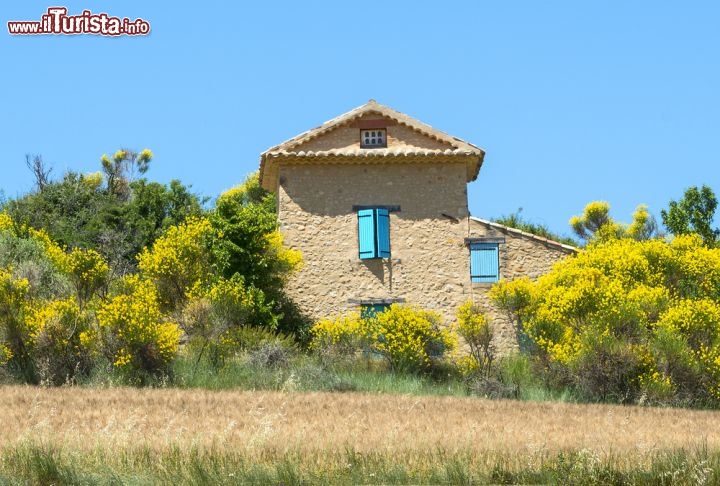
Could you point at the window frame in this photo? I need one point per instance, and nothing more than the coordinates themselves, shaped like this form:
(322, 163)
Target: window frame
(383, 142)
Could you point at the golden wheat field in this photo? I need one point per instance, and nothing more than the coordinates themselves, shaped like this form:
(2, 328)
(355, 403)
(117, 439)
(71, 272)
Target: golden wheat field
(263, 424)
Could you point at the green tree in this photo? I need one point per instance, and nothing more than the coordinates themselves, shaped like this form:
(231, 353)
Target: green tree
(245, 218)
(249, 244)
(693, 214)
(118, 219)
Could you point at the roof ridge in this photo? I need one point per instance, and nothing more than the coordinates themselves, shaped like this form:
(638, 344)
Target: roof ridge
(383, 110)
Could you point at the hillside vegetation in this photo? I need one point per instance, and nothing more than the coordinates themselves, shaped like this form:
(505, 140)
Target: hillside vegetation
(110, 279)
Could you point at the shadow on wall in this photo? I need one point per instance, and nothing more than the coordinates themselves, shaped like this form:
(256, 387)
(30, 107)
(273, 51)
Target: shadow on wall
(382, 269)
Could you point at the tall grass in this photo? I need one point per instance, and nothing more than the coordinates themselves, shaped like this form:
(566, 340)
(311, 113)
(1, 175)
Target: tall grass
(299, 372)
(38, 464)
(399, 383)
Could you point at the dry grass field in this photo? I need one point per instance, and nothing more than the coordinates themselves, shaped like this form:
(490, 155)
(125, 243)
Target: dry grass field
(269, 422)
(313, 435)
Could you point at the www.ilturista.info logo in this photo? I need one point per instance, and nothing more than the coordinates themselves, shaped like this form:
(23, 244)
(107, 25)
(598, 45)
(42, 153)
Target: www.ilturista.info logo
(57, 21)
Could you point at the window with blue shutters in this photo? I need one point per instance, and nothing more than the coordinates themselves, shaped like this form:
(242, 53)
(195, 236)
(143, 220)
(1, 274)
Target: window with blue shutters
(374, 233)
(484, 262)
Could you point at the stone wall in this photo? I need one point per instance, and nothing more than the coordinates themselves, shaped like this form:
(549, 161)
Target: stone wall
(430, 261)
(426, 267)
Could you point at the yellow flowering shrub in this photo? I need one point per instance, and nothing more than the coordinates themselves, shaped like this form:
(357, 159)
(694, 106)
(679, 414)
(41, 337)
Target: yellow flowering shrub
(178, 261)
(410, 339)
(696, 267)
(237, 304)
(344, 334)
(218, 313)
(54, 252)
(39, 327)
(694, 324)
(141, 340)
(5, 354)
(476, 330)
(288, 260)
(48, 335)
(88, 273)
(12, 292)
(61, 340)
(6, 222)
(15, 335)
(627, 319)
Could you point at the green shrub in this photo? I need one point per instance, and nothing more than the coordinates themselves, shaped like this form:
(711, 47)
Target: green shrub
(28, 259)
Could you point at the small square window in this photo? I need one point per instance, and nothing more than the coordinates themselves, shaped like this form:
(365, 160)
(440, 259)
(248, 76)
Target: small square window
(373, 138)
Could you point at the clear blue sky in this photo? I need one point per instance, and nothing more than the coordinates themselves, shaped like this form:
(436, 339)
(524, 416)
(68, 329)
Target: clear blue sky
(572, 101)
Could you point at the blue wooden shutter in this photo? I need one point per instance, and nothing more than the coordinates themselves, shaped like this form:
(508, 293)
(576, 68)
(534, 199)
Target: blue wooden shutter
(383, 232)
(484, 262)
(366, 233)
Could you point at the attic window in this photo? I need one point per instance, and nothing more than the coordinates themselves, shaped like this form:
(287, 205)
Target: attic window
(373, 138)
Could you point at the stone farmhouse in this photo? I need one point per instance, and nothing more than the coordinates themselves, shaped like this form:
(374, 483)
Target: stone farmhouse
(376, 201)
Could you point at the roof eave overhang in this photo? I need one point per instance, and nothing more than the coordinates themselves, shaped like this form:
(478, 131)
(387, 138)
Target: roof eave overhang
(270, 162)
